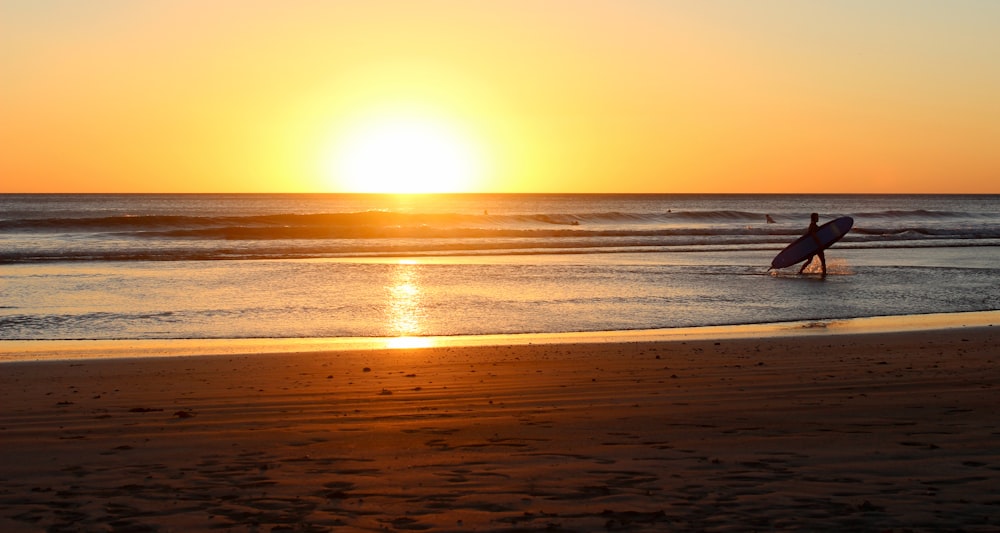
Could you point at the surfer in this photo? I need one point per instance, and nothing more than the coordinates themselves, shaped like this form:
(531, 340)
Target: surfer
(813, 228)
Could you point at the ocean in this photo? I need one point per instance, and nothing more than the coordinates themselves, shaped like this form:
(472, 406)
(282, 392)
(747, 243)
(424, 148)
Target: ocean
(287, 266)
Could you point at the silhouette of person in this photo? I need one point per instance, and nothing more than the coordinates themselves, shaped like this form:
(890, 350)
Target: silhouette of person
(813, 228)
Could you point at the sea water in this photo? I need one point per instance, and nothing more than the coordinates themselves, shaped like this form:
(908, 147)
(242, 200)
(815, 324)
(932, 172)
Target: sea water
(319, 266)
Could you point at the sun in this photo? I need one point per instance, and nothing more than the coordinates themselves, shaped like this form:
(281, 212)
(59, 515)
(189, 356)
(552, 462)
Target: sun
(405, 153)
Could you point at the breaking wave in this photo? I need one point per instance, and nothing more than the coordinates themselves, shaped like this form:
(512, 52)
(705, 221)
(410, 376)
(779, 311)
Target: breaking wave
(221, 234)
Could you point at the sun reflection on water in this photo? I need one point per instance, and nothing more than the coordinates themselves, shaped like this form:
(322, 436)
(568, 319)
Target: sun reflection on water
(404, 312)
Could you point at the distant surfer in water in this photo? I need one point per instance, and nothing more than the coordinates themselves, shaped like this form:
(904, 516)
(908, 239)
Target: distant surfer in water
(813, 228)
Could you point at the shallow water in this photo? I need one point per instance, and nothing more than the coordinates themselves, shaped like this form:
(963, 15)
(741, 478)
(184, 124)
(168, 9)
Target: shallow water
(79, 272)
(468, 296)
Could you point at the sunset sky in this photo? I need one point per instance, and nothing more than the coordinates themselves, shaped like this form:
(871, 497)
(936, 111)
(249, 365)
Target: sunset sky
(892, 96)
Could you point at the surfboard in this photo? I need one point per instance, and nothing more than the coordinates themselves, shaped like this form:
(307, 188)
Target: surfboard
(806, 245)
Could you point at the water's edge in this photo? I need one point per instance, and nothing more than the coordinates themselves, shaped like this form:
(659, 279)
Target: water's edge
(43, 350)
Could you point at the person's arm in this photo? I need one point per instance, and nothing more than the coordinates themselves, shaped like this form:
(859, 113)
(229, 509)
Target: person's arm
(814, 233)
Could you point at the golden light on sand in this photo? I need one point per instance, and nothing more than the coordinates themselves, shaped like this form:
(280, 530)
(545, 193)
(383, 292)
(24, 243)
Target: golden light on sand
(409, 342)
(405, 153)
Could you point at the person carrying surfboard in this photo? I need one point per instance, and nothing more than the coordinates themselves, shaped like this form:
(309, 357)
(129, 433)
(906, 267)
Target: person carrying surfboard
(816, 239)
(813, 229)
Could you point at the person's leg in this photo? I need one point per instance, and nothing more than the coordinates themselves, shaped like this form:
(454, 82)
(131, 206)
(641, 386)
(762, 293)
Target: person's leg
(806, 264)
(822, 262)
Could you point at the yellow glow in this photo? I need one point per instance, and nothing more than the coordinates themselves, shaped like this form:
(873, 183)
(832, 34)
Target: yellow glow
(405, 153)
(513, 96)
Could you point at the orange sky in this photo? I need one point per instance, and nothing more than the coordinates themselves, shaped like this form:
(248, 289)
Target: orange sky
(892, 96)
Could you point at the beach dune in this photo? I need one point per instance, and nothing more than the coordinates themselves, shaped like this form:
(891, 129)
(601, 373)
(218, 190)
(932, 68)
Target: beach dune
(863, 432)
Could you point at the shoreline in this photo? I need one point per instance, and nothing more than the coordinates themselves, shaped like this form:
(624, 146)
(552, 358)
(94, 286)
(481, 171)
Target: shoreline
(845, 432)
(54, 350)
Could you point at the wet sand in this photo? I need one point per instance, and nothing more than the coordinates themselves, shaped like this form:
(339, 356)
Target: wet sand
(862, 432)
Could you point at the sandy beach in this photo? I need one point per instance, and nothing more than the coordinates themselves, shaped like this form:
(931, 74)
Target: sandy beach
(862, 432)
